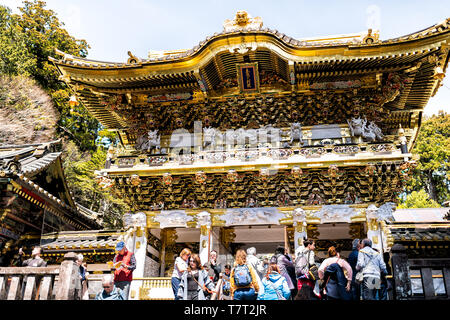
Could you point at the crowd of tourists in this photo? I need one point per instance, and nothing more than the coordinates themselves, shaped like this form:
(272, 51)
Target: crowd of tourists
(362, 276)
(302, 276)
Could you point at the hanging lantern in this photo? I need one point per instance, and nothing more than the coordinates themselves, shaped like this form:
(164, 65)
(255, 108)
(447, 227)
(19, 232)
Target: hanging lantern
(333, 171)
(73, 102)
(296, 172)
(167, 179)
(264, 174)
(135, 180)
(200, 177)
(232, 175)
(439, 74)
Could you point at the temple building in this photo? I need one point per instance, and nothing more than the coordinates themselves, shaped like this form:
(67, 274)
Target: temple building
(35, 198)
(253, 138)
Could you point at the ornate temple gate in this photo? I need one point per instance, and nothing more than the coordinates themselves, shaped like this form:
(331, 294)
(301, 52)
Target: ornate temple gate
(253, 128)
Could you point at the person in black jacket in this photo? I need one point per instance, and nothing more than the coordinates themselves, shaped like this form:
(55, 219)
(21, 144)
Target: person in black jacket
(335, 283)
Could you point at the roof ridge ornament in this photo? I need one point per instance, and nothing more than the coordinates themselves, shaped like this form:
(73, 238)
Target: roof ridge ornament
(133, 59)
(242, 21)
(371, 37)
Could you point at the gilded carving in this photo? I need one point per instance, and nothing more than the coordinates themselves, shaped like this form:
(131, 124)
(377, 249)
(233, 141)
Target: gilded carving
(242, 21)
(204, 230)
(312, 232)
(227, 236)
(135, 180)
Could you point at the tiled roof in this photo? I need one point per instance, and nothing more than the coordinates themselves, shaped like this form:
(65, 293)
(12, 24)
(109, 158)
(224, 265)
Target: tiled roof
(418, 234)
(21, 163)
(33, 165)
(80, 240)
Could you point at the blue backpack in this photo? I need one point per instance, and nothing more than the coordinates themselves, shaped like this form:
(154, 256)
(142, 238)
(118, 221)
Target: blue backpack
(226, 288)
(242, 276)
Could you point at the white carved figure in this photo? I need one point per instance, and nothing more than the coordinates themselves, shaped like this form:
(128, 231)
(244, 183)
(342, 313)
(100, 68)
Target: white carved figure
(153, 139)
(296, 132)
(335, 213)
(139, 219)
(240, 135)
(209, 137)
(172, 218)
(384, 212)
(356, 126)
(141, 143)
(149, 141)
(234, 137)
(244, 216)
(263, 215)
(371, 212)
(251, 216)
(262, 134)
(378, 133)
(359, 128)
(299, 214)
(372, 132)
(203, 218)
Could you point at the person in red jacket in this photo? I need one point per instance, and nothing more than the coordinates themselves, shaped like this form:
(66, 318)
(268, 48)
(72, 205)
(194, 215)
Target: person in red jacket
(124, 263)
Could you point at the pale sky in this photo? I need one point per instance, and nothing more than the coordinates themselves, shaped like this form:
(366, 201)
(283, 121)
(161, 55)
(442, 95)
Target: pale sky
(114, 27)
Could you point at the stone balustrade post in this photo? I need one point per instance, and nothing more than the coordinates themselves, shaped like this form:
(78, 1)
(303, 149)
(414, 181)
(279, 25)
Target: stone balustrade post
(400, 272)
(68, 274)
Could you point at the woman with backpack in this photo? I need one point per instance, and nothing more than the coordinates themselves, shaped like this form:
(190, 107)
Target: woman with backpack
(195, 283)
(275, 285)
(243, 279)
(336, 274)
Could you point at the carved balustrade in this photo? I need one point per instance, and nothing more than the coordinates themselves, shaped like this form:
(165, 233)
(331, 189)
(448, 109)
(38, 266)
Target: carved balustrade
(40, 283)
(254, 154)
(27, 283)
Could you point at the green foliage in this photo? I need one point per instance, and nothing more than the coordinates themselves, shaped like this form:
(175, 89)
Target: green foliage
(79, 168)
(27, 40)
(418, 199)
(45, 33)
(15, 58)
(433, 147)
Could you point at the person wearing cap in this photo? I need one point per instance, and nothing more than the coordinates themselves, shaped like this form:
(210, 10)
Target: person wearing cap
(124, 263)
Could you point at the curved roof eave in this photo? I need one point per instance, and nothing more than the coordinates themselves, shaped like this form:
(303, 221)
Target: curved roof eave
(286, 46)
